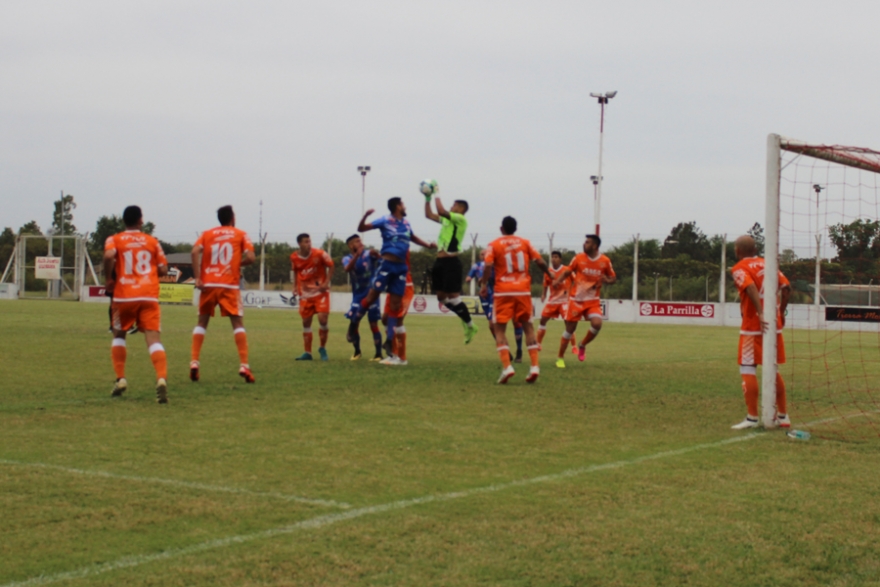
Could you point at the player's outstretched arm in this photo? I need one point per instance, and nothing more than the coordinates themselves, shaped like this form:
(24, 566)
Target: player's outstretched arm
(441, 209)
(560, 277)
(364, 225)
(423, 243)
(429, 213)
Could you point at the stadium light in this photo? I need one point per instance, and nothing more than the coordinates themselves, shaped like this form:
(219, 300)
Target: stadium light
(597, 196)
(363, 170)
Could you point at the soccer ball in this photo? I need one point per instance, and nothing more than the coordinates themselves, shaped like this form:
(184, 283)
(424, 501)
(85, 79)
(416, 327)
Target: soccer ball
(429, 187)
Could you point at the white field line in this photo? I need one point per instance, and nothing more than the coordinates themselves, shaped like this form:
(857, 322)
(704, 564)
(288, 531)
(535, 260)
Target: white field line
(329, 519)
(187, 484)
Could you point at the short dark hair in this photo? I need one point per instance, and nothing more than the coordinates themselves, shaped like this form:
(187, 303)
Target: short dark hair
(596, 239)
(131, 216)
(463, 203)
(224, 215)
(351, 238)
(556, 254)
(393, 203)
(508, 225)
(301, 236)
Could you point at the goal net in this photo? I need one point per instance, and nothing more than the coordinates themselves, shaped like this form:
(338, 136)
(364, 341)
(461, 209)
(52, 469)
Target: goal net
(823, 233)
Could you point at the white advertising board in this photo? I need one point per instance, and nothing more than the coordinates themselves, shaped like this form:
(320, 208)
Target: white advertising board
(47, 268)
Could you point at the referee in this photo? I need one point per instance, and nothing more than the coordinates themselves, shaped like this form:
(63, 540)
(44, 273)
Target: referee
(447, 272)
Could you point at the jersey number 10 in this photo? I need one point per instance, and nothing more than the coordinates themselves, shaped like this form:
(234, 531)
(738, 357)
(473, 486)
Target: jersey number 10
(221, 254)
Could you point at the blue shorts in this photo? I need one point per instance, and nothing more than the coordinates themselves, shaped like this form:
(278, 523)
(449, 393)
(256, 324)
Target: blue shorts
(373, 313)
(391, 277)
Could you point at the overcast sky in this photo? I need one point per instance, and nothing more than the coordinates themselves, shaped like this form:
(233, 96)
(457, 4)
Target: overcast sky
(181, 107)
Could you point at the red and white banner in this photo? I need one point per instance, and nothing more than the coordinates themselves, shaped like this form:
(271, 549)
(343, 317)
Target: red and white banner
(676, 310)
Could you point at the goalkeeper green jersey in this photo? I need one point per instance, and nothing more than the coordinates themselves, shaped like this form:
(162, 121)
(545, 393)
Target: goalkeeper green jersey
(452, 230)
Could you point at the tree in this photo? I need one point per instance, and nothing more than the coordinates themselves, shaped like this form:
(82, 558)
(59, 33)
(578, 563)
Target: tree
(62, 217)
(857, 240)
(7, 237)
(757, 233)
(686, 239)
(108, 226)
(30, 228)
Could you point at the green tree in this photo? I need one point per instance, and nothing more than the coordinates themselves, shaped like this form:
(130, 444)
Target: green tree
(30, 228)
(757, 233)
(686, 239)
(859, 239)
(108, 226)
(62, 217)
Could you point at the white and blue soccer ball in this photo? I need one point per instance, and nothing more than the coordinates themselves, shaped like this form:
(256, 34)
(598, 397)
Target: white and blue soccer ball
(429, 187)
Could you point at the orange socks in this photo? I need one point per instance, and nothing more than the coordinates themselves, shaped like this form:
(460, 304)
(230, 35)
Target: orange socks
(750, 391)
(781, 402)
(160, 362)
(118, 353)
(307, 339)
(241, 343)
(323, 332)
(198, 339)
(591, 334)
(533, 354)
(504, 353)
(563, 344)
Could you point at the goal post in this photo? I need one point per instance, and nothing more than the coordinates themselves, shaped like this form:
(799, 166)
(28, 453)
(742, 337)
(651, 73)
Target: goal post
(822, 231)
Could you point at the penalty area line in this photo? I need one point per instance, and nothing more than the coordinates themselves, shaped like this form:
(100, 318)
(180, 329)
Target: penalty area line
(178, 483)
(330, 519)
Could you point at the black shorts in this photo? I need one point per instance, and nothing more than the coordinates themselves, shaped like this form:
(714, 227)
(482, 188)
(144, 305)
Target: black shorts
(446, 275)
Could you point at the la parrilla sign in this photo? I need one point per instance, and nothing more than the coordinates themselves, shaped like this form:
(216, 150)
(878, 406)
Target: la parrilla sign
(677, 310)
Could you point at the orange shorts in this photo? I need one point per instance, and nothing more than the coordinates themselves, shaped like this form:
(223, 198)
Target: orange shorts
(751, 349)
(515, 308)
(229, 301)
(408, 294)
(554, 311)
(145, 314)
(583, 310)
(319, 304)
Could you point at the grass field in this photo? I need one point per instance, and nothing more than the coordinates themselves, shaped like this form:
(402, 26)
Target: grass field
(618, 471)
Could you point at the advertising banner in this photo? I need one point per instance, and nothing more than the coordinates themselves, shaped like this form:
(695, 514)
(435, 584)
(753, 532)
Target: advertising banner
(175, 293)
(839, 314)
(677, 309)
(48, 268)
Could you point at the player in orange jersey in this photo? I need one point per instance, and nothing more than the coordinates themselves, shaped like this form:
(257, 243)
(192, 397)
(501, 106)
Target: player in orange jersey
(507, 259)
(138, 261)
(555, 297)
(217, 259)
(590, 270)
(748, 274)
(313, 269)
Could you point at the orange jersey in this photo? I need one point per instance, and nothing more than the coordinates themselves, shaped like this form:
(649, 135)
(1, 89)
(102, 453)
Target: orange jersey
(558, 294)
(745, 273)
(311, 272)
(587, 274)
(510, 256)
(222, 250)
(138, 256)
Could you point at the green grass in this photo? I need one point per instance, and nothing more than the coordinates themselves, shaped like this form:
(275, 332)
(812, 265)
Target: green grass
(764, 511)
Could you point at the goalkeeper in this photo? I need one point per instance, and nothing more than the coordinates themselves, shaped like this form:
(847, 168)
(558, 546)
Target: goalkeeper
(446, 275)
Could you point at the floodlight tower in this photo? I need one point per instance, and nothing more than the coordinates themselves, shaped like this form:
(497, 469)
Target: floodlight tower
(597, 204)
(363, 170)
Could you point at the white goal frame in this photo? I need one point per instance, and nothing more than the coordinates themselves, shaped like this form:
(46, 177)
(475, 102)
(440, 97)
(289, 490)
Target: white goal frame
(848, 156)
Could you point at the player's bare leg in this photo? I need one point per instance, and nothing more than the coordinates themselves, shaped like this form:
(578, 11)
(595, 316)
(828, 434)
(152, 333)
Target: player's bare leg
(570, 328)
(238, 331)
(160, 364)
(518, 334)
(542, 331)
(532, 347)
(592, 333)
(307, 339)
(323, 333)
(198, 337)
(503, 352)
